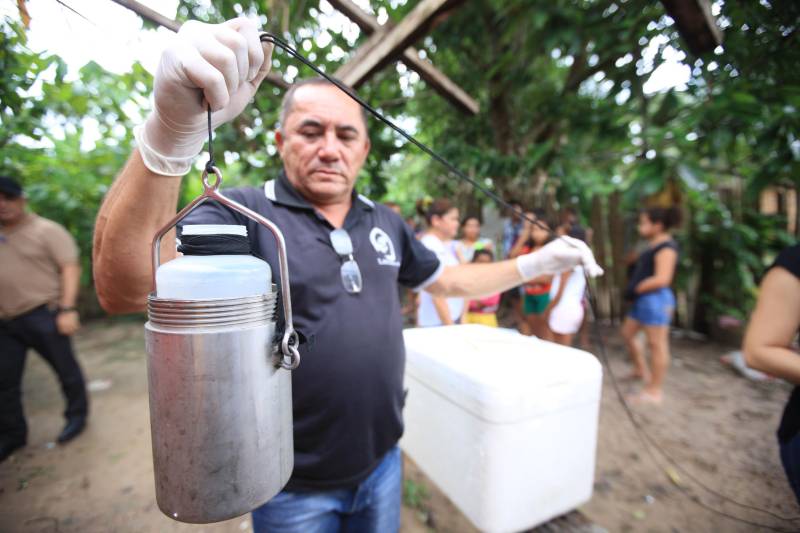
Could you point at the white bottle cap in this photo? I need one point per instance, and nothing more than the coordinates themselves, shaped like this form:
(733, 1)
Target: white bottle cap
(214, 229)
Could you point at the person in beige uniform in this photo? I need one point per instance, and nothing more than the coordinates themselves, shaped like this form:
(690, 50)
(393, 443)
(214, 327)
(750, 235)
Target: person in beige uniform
(39, 282)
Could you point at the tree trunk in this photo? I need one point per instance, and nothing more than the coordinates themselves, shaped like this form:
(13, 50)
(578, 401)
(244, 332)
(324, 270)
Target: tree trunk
(598, 245)
(617, 234)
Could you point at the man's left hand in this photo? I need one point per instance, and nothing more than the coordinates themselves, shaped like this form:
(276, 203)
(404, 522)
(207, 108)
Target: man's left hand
(68, 322)
(560, 255)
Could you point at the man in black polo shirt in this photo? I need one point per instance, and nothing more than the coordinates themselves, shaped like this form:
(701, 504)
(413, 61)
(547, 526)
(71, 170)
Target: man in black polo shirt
(347, 393)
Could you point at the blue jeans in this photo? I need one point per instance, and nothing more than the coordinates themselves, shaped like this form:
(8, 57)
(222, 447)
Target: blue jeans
(654, 308)
(372, 507)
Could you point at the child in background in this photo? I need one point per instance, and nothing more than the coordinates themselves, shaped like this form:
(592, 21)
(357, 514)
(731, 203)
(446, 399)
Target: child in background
(536, 297)
(565, 312)
(483, 311)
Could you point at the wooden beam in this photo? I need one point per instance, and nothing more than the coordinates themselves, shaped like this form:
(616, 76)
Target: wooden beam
(345, 71)
(160, 20)
(368, 23)
(441, 83)
(436, 79)
(395, 40)
(695, 23)
(150, 14)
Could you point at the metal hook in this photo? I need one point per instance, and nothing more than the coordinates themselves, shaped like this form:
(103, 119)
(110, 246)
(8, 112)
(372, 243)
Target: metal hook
(211, 187)
(291, 355)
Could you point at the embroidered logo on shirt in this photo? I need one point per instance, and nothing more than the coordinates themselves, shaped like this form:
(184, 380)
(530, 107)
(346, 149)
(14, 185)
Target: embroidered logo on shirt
(384, 247)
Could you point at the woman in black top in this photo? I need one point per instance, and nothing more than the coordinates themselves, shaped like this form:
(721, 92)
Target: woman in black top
(767, 347)
(652, 301)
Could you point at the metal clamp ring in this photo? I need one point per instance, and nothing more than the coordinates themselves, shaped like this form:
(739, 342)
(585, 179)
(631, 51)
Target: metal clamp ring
(291, 355)
(212, 186)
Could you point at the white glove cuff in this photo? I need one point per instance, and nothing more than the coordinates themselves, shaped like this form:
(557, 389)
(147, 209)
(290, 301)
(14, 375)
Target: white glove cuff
(160, 163)
(528, 266)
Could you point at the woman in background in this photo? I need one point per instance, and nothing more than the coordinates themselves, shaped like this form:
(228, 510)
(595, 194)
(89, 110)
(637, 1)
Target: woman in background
(483, 310)
(442, 219)
(767, 347)
(653, 301)
(471, 239)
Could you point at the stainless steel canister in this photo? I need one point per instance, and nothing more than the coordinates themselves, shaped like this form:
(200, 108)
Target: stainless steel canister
(220, 406)
(220, 389)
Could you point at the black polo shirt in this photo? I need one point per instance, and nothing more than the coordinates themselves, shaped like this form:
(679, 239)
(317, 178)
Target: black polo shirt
(348, 390)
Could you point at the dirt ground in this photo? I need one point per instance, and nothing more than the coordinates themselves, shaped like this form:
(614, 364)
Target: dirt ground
(718, 426)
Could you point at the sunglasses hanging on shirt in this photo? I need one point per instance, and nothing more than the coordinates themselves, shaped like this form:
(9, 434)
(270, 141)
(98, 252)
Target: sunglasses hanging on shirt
(349, 271)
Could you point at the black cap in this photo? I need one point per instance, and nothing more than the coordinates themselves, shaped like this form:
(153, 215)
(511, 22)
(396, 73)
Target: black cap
(10, 187)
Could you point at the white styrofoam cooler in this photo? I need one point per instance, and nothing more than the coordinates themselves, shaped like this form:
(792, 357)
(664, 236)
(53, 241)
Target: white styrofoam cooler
(505, 425)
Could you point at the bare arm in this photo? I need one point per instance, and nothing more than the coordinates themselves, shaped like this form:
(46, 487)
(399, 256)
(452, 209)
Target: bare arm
(216, 66)
(665, 262)
(773, 325)
(137, 206)
(474, 280)
(524, 235)
(443, 310)
(68, 321)
(70, 283)
(561, 286)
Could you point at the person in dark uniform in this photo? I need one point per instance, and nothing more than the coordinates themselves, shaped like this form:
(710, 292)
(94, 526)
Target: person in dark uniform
(39, 282)
(347, 393)
(768, 347)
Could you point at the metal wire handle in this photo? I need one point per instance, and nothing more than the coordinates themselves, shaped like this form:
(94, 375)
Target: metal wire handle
(290, 356)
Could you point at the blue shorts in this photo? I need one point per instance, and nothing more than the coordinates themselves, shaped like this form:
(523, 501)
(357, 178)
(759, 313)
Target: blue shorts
(654, 308)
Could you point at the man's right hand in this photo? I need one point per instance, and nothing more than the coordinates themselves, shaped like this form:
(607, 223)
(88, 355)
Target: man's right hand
(220, 65)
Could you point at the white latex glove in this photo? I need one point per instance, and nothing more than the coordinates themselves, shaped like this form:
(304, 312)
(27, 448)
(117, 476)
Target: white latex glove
(217, 64)
(560, 255)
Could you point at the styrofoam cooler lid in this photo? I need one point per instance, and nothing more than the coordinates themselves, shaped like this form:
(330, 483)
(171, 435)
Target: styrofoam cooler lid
(499, 375)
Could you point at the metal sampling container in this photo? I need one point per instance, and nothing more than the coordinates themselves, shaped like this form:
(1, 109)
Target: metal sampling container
(220, 393)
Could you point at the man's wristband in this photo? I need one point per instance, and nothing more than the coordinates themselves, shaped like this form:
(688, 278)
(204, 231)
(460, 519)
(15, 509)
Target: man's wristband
(62, 309)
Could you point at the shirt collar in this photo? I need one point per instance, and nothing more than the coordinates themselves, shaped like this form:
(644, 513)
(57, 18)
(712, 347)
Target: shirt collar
(282, 192)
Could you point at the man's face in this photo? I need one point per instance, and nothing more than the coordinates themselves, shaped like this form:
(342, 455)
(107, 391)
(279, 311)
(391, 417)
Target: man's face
(323, 144)
(11, 209)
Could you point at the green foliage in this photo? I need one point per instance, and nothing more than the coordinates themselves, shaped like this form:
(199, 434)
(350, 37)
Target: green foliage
(564, 112)
(415, 495)
(42, 143)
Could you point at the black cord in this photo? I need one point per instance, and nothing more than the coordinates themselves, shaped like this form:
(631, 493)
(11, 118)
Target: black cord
(268, 37)
(81, 15)
(210, 164)
(649, 442)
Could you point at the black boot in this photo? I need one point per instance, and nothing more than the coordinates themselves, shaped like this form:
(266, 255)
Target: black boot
(72, 429)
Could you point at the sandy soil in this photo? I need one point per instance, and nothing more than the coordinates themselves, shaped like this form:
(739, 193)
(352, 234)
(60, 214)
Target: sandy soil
(718, 426)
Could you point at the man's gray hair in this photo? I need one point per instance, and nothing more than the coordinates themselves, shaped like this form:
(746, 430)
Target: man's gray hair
(288, 99)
